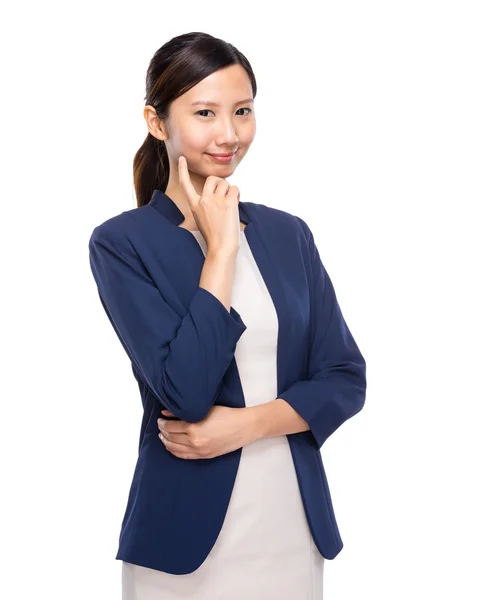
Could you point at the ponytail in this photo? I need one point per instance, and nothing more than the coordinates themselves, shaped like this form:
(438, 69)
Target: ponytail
(150, 169)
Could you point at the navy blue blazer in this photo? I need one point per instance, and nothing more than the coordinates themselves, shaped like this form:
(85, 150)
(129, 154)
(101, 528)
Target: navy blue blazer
(181, 341)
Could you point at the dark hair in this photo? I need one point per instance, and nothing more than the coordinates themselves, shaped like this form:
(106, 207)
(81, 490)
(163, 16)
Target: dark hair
(176, 67)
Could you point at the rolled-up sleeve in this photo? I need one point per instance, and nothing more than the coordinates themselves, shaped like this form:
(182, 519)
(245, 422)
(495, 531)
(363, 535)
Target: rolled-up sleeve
(181, 358)
(335, 388)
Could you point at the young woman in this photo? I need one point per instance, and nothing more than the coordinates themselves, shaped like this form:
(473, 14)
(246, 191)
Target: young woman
(244, 362)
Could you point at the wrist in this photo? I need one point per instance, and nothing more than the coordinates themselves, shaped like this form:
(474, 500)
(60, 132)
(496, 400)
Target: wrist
(256, 422)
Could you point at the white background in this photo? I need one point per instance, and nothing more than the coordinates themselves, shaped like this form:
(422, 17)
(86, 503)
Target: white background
(380, 124)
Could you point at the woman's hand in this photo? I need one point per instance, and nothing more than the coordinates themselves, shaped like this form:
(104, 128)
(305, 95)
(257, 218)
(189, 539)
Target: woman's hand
(216, 211)
(223, 430)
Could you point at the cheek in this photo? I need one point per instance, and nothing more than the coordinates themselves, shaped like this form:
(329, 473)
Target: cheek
(247, 134)
(200, 141)
(195, 139)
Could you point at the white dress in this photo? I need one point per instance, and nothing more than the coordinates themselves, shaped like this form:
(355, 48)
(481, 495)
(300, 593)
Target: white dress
(265, 549)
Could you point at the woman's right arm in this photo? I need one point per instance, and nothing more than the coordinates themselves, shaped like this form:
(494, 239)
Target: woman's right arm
(183, 358)
(218, 273)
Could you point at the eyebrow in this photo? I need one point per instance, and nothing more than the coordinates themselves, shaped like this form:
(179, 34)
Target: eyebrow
(208, 103)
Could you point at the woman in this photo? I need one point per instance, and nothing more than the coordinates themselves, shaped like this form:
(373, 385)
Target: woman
(243, 359)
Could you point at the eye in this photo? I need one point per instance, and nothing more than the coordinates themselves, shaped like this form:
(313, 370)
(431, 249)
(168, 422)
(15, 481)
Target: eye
(205, 110)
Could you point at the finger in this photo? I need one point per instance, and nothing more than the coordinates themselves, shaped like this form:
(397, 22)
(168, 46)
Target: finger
(167, 413)
(172, 426)
(214, 184)
(222, 188)
(185, 181)
(178, 449)
(178, 438)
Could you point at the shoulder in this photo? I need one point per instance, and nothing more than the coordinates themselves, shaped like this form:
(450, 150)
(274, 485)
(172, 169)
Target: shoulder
(279, 218)
(116, 228)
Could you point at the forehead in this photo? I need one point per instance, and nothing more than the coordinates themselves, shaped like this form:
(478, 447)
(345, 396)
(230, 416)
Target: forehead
(225, 87)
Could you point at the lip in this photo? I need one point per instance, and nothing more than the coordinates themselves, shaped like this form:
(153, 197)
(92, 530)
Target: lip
(222, 158)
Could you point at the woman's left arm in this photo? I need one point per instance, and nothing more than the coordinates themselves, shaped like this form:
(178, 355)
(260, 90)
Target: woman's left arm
(334, 391)
(335, 388)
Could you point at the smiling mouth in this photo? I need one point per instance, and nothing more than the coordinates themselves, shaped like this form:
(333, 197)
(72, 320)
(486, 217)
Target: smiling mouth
(223, 155)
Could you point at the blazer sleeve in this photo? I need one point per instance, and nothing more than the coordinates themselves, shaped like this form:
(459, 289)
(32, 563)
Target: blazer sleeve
(336, 385)
(182, 359)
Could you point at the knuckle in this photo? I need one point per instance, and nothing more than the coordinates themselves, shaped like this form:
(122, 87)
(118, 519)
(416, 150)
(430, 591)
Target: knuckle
(197, 443)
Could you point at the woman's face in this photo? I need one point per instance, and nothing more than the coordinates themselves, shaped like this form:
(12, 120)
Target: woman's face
(222, 122)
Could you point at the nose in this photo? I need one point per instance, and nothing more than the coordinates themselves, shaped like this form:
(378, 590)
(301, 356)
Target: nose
(227, 135)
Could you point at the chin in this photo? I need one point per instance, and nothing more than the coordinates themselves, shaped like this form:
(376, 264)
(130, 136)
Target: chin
(223, 168)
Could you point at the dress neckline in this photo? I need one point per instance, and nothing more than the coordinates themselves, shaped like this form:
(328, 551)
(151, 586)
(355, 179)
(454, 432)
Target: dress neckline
(241, 231)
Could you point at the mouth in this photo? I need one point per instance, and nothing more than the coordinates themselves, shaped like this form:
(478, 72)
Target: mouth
(227, 155)
(222, 158)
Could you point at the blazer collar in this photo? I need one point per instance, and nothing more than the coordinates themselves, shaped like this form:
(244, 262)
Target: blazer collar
(167, 207)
